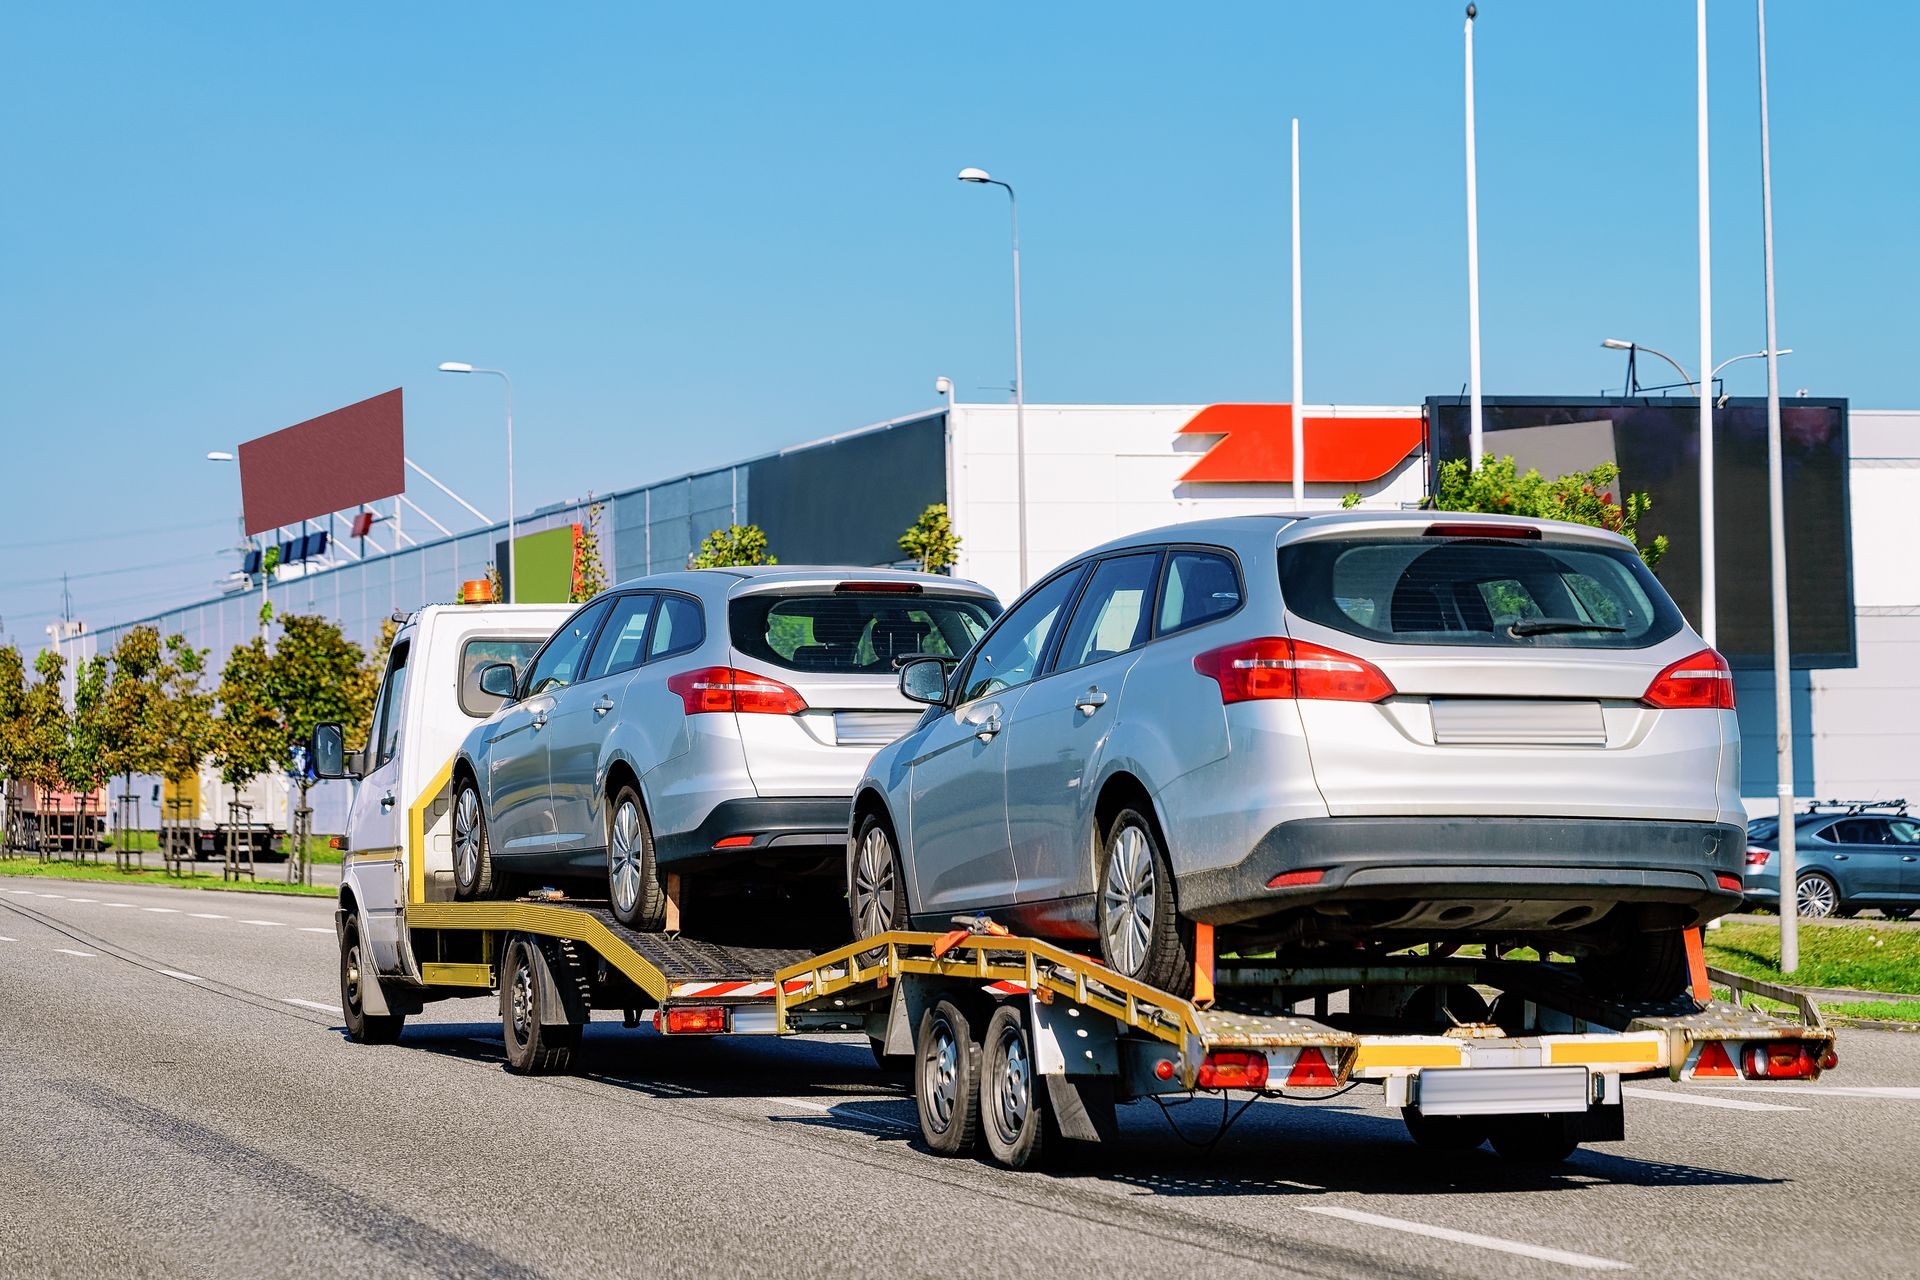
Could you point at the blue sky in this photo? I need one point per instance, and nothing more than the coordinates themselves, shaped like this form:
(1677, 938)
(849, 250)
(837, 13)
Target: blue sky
(697, 232)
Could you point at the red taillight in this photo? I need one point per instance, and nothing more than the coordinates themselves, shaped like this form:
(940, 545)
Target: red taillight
(1731, 883)
(726, 689)
(1275, 667)
(1295, 879)
(1780, 1060)
(1482, 531)
(1756, 856)
(696, 1020)
(1703, 680)
(733, 842)
(1233, 1069)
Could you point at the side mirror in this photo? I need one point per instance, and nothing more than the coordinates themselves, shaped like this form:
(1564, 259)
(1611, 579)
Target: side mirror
(498, 679)
(329, 751)
(924, 680)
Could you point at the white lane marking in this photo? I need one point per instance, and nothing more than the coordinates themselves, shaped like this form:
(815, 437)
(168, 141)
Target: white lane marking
(1729, 1104)
(165, 911)
(308, 928)
(805, 1105)
(56, 897)
(857, 1117)
(207, 915)
(1907, 1092)
(116, 904)
(69, 951)
(274, 924)
(1585, 1261)
(333, 1009)
(4, 938)
(83, 899)
(184, 977)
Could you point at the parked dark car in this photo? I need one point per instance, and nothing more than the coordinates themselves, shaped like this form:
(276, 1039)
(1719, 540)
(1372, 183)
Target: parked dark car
(1848, 856)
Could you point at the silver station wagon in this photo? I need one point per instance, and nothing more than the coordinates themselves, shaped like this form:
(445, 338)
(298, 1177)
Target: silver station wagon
(709, 724)
(1349, 729)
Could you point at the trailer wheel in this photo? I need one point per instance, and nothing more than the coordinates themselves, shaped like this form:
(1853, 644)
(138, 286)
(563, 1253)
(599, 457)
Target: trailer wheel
(1013, 1094)
(1539, 1140)
(362, 1027)
(1444, 1133)
(1141, 933)
(633, 877)
(472, 859)
(946, 1089)
(534, 1047)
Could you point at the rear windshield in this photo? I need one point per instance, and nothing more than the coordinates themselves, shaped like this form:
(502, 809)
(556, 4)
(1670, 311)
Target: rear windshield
(855, 634)
(1495, 592)
(1763, 828)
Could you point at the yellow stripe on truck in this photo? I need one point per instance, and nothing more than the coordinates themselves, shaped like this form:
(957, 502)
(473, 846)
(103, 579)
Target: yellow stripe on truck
(1375, 1056)
(417, 832)
(1578, 1052)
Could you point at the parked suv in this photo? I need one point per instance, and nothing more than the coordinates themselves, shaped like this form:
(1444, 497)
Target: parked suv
(692, 721)
(1336, 729)
(1848, 855)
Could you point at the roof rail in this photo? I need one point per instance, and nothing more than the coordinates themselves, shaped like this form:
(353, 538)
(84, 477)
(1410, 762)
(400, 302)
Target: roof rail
(1897, 807)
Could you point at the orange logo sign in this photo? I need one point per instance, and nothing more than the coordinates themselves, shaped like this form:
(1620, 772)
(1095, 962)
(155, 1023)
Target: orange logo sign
(1257, 446)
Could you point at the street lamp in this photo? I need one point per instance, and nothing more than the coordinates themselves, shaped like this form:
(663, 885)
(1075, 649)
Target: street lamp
(1620, 344)
(513, 576)
(982, 177)
(221, 455)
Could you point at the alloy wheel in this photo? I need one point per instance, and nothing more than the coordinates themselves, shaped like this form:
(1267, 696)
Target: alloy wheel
(1127, 899)
(1818, 898)
(873, 883)
(626, 857)
(466, 836)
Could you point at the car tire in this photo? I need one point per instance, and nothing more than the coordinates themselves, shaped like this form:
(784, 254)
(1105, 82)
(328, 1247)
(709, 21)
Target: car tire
(876, 885)
(1141, 933)
(946, 1089)
(1818, 896)
(1534, 1140)
(634, 888)
(1444, 1133)
(472, 858)
(355, 973)
(1013, 1099)
(534, 1047)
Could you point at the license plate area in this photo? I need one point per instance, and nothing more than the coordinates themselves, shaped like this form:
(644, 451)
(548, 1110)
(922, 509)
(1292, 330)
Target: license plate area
(1496, 1091)
(1494, 722)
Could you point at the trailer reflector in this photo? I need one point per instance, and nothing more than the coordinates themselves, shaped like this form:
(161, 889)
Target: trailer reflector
(1310, 1071)
(1713, 1063)
(1234, 1069)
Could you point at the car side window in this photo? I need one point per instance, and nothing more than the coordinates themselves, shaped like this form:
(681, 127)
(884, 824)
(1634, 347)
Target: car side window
(618, 648)
(559, 664)
(391, 692)
(1860, 831)
(1010, 654)
(1828, 834)
(677, 627)
(1114, 611)
(1200, 586)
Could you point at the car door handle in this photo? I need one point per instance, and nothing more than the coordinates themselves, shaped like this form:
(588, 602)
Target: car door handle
(386, 802)
(988, 728)
(1092, 700)
(1907, 857)
(603, 706)
(1839, 857)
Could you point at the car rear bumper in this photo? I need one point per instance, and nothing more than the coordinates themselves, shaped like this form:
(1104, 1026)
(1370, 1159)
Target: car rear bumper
(1464, 860)
(800, 825)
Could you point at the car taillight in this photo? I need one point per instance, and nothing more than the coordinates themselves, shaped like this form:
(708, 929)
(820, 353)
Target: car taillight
(1703, 680)
(1756, 856)
(1275, 667)
(727, 689)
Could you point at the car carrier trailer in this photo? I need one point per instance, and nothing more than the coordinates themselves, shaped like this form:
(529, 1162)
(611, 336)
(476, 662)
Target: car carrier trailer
(1014, 1044)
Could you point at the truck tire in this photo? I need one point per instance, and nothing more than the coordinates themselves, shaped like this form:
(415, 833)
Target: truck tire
(1141, 933)
(1535, 1140)
(534, 1047)
(946, 1090)
(1013, 1094)
(362, 1027)
(876, 888)
(1444, 1133)
(634, 890)
(472, 859)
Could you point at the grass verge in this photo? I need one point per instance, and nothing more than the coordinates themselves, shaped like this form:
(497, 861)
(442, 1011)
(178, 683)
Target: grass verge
(107, 873)
(1864, 959)
(318, 851)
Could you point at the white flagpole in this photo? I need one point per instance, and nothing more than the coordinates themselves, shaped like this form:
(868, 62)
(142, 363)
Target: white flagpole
(1299, 358)
(1709, 611)
(1473, 268)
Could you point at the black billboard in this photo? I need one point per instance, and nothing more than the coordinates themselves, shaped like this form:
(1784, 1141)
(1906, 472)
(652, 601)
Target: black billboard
(1656, 442)
(848, 500)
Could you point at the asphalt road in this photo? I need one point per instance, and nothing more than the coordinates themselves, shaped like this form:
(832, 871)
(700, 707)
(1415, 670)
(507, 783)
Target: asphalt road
(178, 1099)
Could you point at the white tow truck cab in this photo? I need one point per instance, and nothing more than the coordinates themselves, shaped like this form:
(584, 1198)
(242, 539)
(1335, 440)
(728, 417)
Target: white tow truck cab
(1013, 1044)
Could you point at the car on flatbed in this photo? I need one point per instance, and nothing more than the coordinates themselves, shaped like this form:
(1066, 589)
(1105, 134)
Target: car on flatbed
(1341, 730)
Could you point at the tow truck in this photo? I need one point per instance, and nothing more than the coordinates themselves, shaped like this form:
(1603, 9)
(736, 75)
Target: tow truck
(1014, 1045)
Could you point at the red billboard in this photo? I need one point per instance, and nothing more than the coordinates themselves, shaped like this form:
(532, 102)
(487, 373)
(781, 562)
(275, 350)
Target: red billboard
(329, 463)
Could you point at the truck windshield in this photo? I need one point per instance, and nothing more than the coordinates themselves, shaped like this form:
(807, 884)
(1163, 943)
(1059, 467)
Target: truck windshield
(840, 633)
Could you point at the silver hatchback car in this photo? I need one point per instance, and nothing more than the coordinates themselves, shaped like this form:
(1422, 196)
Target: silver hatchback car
(710, 723)
(1342, 729)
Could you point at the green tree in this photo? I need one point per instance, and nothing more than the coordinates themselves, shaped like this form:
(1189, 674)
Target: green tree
(248, 735)
(365, 686)
(589, 574)
(932, 541)
(737, 544)
(13, 698)
(184, 729)
(43, 737)
(1583, 497)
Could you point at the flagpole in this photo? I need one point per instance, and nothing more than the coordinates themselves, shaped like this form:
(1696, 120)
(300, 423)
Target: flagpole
(1474, 447)
(1299, 358)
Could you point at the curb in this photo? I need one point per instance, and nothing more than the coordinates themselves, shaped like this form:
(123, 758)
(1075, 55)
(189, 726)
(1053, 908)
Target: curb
(185, 888)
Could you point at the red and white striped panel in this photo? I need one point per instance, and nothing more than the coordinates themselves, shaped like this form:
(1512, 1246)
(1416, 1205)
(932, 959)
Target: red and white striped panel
(732, 990)
(1005, 988)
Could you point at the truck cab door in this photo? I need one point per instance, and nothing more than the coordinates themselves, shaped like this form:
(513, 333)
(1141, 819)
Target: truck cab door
(376, 836)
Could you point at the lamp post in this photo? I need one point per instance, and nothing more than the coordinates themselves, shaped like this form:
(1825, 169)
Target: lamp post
(221, 455)
(513, 576)
(982, 177)
(1475, 441)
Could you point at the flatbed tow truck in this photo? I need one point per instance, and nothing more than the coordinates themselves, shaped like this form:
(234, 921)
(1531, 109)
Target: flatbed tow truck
(1023, 1047)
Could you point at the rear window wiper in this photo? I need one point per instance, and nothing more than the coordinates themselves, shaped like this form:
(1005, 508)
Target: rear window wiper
(1548, 626)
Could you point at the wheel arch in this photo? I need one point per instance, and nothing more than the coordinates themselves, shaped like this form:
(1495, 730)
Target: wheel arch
(870, 801)
(1124, 789)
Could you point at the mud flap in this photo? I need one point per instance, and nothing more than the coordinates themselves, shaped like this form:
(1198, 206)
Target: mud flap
(560, 999)
(1082, 1107)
